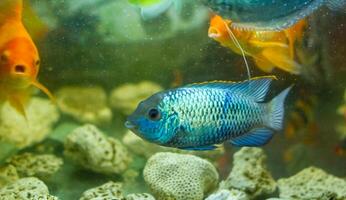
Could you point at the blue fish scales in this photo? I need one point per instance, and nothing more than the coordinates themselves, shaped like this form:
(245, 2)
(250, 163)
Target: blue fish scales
(199, 116)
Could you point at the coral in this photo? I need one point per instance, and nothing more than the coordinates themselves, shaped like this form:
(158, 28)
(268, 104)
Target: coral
(26, 189)
(143, 196)
(110, 190)
(228, 195)
(93, 150)
(42, 166)
(8, 174)
(249, 173)
(313, 184)
(178, 176)
(143, 148)
(15, 129)
(126, 97)
(85, 104)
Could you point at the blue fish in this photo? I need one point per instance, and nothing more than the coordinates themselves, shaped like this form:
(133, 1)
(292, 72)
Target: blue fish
(200, 116)
(269, 14)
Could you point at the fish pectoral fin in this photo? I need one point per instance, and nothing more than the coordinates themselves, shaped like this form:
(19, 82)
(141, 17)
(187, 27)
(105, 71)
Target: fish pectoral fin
(200, 148)
(281, 58)
(44, 90)
(256, 137)
(18, 104)
(263, 64)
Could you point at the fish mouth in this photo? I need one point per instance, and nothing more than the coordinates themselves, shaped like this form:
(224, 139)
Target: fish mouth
(213, 33)
(130, 125)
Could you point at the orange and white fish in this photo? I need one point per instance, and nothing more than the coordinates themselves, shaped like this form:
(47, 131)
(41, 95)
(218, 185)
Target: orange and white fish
(19, 57)
(269, 49)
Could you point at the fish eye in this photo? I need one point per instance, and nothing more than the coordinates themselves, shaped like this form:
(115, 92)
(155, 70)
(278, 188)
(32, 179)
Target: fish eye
(4, 57)
(37, 63)
(154, 114)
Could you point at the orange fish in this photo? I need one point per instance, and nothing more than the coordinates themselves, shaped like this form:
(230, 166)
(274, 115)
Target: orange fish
(19, 58)
(269, 49)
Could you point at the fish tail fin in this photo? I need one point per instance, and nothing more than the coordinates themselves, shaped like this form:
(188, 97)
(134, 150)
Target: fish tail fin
(337, 5)
(281, 58)
(276, 110)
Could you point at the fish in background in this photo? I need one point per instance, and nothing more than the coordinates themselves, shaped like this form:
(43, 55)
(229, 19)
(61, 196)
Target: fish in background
(268, 49)
(200, 116)
(302, 124)
(269, 14)
(153, 8)
(19, 58)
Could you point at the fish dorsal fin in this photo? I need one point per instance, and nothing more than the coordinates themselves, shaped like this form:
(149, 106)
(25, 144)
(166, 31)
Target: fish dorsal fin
(256, 87)
(10, 9)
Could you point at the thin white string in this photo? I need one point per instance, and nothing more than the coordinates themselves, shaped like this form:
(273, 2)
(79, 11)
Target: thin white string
(235, 41)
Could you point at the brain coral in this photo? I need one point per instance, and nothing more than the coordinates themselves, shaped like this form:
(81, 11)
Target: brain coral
(179, 177)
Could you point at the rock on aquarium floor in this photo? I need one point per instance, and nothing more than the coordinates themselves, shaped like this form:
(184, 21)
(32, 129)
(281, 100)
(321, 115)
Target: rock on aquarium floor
(90, 165)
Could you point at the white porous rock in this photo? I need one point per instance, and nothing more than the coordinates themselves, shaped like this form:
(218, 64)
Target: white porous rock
(15, 129)
(313, 184)
(29, 188)
(109, 190)
(142, 196)
(232, 194)
(8, 174)
(85, 104)
(42, 166)
(249, 173)
(126, 97)
(179, 177)
(93, 150)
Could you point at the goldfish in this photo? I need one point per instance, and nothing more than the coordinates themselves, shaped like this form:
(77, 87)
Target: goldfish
(153, 8)
(19, 57)
(269, 49)
(201, 116)
(269, 14)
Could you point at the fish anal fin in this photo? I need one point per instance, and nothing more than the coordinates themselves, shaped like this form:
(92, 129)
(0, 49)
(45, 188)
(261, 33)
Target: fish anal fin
(267, 44)
(17, 103)
(256, 137)
(280, 57)
(263, 64)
